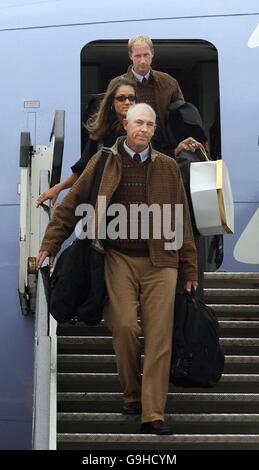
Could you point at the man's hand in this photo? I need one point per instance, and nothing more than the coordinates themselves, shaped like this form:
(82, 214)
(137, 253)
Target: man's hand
(52, 194)
(188, 144)
(190, 284)
(42, 255)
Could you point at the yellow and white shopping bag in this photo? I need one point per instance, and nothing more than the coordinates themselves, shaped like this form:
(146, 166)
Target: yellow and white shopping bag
(212, 198)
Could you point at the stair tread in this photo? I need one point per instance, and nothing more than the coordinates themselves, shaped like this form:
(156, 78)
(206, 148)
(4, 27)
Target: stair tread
(230, 275)
(109, 396)
(231, 291)
(216, 307)
(176, 438)
(234, 307)
(239, 323)
(114, 376)
(111, 358)
(174, 417)
(107, 340)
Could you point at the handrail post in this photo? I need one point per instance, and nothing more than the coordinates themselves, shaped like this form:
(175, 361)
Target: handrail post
(44, 409)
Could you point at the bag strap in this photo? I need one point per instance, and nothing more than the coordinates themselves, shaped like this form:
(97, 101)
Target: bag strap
(98, 175)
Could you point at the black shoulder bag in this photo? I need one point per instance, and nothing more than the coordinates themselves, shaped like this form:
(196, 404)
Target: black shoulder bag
(77, 287)
(197, 358)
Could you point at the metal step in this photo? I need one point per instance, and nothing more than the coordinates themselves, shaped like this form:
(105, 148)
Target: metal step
(230, 311)
(231, 280)
(240, 345)
(104, 382)
(68, 441)
(233, 311)
(233, 296)
(246, 327)
(103, 344)
(106, 402)
(107, 363)
(86, 363)
(239, 328)
(199, 423)
(241, 364)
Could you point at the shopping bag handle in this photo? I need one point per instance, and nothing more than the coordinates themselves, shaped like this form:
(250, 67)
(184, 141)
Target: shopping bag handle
(204, 154)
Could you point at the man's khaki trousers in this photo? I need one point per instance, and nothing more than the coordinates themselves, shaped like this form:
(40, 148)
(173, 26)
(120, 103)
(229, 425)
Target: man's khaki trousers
(132, 281)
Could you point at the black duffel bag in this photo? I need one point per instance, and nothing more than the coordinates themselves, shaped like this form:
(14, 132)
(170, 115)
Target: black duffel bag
(197, 357)
(77, 289)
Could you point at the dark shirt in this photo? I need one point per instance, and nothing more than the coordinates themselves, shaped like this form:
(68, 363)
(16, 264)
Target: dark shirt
(92, 146)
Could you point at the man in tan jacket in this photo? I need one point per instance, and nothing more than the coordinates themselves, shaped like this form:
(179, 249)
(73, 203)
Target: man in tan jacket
(139, 270)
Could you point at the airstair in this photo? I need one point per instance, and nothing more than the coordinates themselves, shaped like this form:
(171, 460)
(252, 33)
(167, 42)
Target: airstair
(77, 395)
(224, 417)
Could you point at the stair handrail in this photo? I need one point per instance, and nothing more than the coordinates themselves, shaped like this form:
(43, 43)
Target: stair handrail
(32, 161)
(40, 169)
(44, 435)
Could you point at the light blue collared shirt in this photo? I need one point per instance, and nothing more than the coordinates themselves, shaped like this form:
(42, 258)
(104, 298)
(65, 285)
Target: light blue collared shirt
(143, 155)
(140, 77)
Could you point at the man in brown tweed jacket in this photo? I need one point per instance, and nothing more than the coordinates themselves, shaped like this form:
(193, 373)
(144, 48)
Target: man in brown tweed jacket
(139, 270)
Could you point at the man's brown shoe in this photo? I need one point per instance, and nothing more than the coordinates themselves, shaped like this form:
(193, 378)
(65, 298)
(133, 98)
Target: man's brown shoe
(156, 427)
(131, 408)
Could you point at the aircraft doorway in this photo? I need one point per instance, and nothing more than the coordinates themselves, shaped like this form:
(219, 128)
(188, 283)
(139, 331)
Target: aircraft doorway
(194, 63)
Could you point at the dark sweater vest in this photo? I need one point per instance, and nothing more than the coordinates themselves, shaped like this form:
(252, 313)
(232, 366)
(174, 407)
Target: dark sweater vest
(146, 93)
(131, 190)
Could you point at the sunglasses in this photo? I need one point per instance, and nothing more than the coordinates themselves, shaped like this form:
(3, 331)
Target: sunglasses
(122, 98)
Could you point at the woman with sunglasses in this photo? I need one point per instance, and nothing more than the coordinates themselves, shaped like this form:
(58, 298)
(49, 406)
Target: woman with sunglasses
(103, 128)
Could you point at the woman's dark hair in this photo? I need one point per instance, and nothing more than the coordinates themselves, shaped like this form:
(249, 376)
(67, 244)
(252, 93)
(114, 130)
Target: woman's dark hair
(105, 118)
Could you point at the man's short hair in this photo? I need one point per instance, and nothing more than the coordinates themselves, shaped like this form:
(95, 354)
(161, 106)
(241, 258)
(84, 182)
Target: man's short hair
(132, 110)
(141, 39)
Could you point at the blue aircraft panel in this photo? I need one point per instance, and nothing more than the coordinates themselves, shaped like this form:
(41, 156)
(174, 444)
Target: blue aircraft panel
(67, 12)
(243, 214)
(17, 331)
(15, 435)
